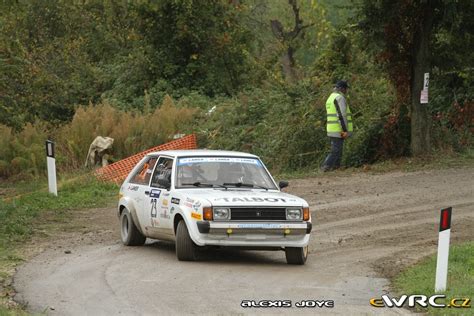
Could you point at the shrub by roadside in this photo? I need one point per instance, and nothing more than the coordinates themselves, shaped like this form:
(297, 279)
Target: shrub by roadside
(22, 153)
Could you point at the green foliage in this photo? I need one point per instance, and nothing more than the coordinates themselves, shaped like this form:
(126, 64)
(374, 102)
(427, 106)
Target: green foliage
(390, 31)
(77, 70)
(421, 277)
(196, 45)
(55, 55)
(20, 216)
(286, 125)
(23, 152)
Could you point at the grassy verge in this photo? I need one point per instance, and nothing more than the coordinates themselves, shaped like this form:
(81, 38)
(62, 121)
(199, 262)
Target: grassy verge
(23, 215)
(439, 160)
(420, 279)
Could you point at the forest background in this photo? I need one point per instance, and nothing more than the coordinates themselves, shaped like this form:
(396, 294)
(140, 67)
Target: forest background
(243, 75)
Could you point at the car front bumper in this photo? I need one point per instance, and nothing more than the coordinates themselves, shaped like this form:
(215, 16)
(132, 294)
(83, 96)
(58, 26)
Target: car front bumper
(254, 234)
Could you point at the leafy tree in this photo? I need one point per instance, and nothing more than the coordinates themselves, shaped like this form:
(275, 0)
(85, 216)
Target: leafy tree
(54, 55)
(409, 37)
(197, 45)
(287, 37)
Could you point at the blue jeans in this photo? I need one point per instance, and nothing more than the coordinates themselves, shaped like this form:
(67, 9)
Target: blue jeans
(333, 160)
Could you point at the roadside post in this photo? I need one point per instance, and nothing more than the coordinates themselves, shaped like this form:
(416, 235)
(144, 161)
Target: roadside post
(443, 249)
(424, 92)
(51, 162)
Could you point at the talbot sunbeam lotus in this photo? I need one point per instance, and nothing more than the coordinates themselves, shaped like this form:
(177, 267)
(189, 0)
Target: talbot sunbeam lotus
(212, 199)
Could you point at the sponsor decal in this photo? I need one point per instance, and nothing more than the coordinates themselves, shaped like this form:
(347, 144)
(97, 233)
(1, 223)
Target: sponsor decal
(189, 200)
(188, 204)
(155, 193)
(196, 206)
(138, 199)
(155, 222)
(164, 214)
(191, 160)
(153, 211)
(196, 216)
(165, 202)
(420, 300)
(250, 199)
(172, 210)
(133, 187)
(287, 304)
(175, 200)
(260, 225)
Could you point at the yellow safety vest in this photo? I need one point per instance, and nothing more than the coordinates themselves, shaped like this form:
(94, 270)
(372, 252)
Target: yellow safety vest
(333, 124)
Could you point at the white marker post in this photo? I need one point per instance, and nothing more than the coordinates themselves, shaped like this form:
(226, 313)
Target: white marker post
(53, 188)
(443, 250)
(424, 92)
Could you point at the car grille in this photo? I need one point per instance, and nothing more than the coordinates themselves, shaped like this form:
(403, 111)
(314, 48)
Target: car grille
(258, 214)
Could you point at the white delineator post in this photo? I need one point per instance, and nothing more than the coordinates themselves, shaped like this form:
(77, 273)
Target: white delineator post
(443, 250)
(51, 161)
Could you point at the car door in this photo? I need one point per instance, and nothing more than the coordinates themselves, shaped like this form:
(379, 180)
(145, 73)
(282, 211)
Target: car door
(139, 186)
(159, 202)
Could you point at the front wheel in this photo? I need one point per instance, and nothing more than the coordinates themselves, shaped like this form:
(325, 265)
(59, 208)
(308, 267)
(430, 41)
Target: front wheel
(129, 232)
(186, 249)
(296, 255)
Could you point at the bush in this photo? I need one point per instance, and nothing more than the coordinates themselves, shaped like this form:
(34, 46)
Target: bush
(453, 129)
(24, 152)
(286, 126)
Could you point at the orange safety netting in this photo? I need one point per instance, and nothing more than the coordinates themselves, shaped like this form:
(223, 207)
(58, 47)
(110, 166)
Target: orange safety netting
(118, 171)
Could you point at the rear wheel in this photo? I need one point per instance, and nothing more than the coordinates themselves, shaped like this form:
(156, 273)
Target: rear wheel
(186, 249)
(131, 236)
(296, 255)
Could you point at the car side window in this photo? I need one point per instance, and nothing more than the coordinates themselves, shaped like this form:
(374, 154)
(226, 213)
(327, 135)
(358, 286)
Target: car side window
(143, 175)
(163, 171)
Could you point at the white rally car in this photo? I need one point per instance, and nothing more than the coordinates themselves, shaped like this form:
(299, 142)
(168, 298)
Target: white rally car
(206, 198)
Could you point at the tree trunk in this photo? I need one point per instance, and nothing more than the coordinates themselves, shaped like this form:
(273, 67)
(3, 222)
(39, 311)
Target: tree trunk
(420, 119)
(287, 38)
(288, 66)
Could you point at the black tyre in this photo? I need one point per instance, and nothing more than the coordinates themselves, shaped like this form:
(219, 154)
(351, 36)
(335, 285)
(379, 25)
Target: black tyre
(296, 255)
(131, 236)
(186, 249)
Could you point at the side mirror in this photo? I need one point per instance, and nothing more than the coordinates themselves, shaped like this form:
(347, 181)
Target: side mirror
(283, 184)
(164, 183)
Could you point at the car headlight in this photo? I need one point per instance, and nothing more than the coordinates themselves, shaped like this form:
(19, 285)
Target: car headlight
(221, 213)
(293, 214)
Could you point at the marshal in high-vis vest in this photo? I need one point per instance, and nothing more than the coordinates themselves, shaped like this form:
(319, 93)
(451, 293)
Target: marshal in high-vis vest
(339, 124)
(334, 127)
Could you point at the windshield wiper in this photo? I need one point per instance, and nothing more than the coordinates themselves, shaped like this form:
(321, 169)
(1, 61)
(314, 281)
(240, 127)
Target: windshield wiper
(246, 185)
(208, 185)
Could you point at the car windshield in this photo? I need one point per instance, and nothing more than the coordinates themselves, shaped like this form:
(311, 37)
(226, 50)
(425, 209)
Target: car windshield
(224, 172)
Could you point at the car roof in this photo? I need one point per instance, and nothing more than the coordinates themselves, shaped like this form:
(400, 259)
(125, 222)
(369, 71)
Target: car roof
(201, 152)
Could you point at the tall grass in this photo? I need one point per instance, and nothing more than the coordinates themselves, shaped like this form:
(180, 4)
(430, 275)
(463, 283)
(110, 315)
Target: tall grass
(23, 153)
(284, 126)
(420, 279)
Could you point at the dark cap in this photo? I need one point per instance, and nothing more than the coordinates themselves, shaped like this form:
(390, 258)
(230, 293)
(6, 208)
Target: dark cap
(342, 84)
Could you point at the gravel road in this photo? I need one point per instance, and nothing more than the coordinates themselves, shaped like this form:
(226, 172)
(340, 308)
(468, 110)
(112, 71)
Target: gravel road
(367, 227)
